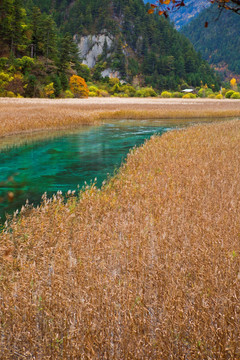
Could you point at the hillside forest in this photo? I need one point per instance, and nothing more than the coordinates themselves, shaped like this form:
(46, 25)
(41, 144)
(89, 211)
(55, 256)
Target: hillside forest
(219, 43)
(39, 57)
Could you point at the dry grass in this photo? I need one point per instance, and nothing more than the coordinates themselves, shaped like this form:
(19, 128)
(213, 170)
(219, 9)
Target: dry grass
(146, 268)
(24, 115)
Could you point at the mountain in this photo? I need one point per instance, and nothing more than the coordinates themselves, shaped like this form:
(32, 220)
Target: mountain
(219, 43)
(48, 40)
(124, 38)
(183, 15)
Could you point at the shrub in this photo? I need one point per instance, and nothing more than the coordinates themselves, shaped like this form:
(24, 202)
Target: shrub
(3, 63)
(24, 64)
(189, 96)
(211, 96)
(10, 94)
(48, 90)
(92, 94)
(94, 91)
(145, 92)
(5, 77)
(128, 90)
(235, 95)
(103, 93)
(177, 94)
(114, 81)
(68, 94)
(16, 85)
(219, 96)
(204, 92)
(115, 89)
(229, 94)
(166, 94)
(224, 91)
(78, 86)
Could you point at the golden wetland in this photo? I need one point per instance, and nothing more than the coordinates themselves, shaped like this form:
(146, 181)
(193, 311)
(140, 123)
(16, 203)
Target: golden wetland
(148, 267)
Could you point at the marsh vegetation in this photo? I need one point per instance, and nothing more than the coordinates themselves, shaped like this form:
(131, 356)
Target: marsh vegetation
(145, 268)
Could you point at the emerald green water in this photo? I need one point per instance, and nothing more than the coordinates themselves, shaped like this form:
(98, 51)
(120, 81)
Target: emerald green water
(64, 162)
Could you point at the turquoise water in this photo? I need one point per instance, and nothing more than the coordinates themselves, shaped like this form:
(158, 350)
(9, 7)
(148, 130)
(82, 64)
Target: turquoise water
(67, 161)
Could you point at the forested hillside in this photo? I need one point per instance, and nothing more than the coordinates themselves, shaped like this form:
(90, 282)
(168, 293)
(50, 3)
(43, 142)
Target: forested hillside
(36, 44)
(219, 43)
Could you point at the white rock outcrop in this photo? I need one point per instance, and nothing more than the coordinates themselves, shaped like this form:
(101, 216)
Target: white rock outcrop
(91, 46)
(110, 73)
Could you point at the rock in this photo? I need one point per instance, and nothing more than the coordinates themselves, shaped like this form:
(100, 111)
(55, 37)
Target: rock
(91, 46)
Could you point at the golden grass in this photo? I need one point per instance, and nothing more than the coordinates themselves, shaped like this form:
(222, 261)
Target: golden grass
(25, 115)
(146, 268)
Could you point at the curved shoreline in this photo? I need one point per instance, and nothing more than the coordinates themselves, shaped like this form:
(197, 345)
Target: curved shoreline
(19, 116)
(151, 259)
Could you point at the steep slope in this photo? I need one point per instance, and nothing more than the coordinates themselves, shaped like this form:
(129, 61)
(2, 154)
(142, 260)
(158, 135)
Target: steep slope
(141, 48)
(219, 44)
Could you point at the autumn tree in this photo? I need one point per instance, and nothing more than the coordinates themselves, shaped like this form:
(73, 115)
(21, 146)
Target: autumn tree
(78, 86)
(163, 7)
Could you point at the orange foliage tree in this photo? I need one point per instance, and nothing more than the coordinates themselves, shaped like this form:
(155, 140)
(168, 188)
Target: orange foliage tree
(78, 86)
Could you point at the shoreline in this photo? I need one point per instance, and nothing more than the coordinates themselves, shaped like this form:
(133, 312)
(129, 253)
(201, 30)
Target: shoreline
(23, 116)
(156, 249)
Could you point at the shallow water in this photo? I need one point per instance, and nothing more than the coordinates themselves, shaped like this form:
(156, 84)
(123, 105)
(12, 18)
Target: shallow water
(68, 160)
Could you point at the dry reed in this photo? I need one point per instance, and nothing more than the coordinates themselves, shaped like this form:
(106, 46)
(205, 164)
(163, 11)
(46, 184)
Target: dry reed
(146, 268)
(24, 115)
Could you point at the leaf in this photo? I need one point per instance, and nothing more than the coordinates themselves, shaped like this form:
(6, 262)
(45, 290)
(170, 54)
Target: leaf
(10, 196)
(166, 2)
(150, 11)
(206, 24)
(153, 6)
(160, 12)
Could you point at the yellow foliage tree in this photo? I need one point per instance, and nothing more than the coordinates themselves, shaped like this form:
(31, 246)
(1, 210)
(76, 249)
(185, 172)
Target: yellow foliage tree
(49, 90)
(233, 83)
(78, 87)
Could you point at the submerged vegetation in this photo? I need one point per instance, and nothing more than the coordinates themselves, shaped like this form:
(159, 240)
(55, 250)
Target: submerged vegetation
(146, 268)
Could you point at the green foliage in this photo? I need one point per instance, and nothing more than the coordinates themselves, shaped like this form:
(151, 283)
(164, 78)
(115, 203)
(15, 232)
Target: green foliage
(177, 94)
(84, 71)
(166, 94)
(57, 85)
(146, 92)
(129, 90)
(235, 95)
(49, 90)
(68, 94)
(219, 96)
(36, 41)
(3, 63)
(229, 94)
(205, 92)
(24, 64)
(189, 96)
(211, 96)
(220, 41)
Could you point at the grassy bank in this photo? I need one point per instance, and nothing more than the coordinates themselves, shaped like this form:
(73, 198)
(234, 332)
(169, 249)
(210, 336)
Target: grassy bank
(25, 115)
(146, 268)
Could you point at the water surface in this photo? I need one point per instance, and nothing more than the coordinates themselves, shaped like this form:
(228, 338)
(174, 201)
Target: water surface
(66, 161)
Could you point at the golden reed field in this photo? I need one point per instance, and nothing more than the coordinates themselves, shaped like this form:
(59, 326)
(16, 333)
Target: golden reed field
(25, 115)
(146, 268)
